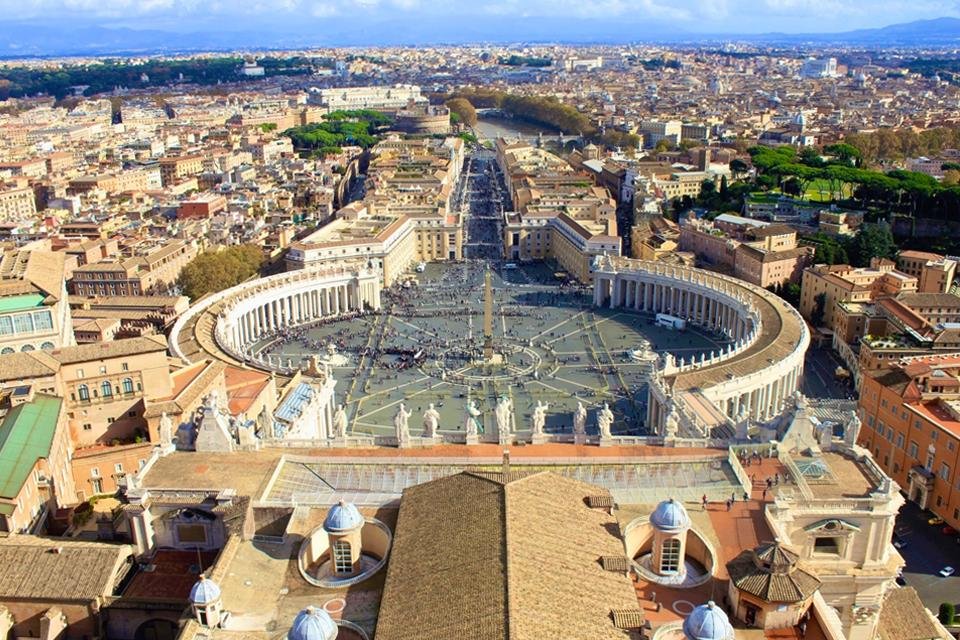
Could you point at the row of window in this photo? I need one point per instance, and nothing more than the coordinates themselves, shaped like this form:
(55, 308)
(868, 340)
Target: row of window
(106, 390)
(27, 347)
(23, 323)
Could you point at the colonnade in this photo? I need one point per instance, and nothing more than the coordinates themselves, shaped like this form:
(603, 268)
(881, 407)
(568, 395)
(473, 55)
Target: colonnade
(290, 307)
(706, 308)
(722, 304)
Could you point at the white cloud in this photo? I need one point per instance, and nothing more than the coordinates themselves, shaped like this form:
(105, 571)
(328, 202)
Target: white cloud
(702, 15)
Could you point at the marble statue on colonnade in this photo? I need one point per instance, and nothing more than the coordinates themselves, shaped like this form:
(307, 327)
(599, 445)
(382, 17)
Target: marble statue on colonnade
(604, 420)
(540, 417)
(431, 422)
(340, 422)
(504, 415)
(852, 430)
(580, 420)
(166, 430)
(472, 423)
(401, 424)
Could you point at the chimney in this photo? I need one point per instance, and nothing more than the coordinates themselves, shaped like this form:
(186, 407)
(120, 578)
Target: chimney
(506, 465)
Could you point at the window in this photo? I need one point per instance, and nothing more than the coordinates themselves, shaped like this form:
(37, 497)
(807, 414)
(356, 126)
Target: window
(670, 556)
(47, 346)
(826, 545)
(103, 371)
(42, 320)
(343, 562)
(944, 471)
(127, 385)
(125, 366)
(899, 441)
(106, 389)
(118, 467)
(83, 392)
(26, 347)
(87, 426)
(6, 326)
(933, 435)
(6, 351)
(914, 449)
(23, 324)
(95, 472)
(79, 373)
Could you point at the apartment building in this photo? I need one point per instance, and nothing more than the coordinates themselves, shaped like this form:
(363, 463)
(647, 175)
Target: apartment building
(175, 169)
(153, 266)
(911, 424)
(35, 452)
(761, 253)
(824, 286)
(34, 310)
(17, 203)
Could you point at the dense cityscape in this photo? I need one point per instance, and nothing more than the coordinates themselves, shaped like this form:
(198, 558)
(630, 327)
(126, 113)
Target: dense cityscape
(482, 341)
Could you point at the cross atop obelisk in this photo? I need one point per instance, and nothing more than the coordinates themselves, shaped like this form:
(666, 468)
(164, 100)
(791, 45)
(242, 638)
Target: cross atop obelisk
(487, 317)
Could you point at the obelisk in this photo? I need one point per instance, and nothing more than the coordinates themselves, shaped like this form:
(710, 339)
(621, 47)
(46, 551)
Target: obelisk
(487, 317)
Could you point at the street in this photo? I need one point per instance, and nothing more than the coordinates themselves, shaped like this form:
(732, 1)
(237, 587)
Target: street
(927, 550)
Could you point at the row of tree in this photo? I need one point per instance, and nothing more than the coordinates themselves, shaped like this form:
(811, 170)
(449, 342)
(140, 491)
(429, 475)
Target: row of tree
(17, 81)
(544, 110)
(217, 270)
(885, 145)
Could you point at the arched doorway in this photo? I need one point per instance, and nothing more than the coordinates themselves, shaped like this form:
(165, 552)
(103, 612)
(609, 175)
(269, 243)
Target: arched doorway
(156, 629)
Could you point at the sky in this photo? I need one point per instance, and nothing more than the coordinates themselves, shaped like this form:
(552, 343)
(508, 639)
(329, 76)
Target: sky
(692, 16)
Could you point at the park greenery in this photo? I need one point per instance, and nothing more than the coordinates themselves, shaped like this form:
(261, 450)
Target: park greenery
(341, 128)
(524, 61)
(213, 271)
(835, 175)
(100, 77)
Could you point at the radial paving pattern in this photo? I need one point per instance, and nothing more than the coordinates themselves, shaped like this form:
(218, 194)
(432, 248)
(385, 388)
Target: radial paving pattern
(425, 347)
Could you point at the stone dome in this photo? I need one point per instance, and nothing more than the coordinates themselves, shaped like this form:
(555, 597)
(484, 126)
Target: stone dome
(670, 516)
(313, 623)
(343, 516)
(204, 591)
(707, 622)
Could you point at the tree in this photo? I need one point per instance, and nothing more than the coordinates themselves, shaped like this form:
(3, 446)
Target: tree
(462, 108)
(738, 168)
(873, 241)
(663, 145)
(947, 613)
(217, 270)
(820, 305)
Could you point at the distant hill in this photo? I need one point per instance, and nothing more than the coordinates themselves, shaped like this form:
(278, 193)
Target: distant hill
(936, 32)
(27, 39)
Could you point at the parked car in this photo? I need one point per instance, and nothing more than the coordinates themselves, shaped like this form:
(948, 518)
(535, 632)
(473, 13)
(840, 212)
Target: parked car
(946, 572)
(935, 520)
(899, 544)
(949, 531)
